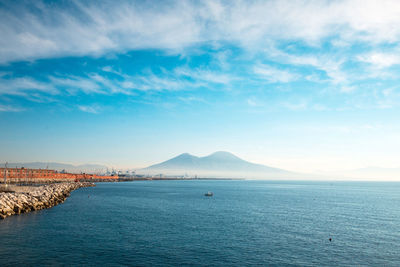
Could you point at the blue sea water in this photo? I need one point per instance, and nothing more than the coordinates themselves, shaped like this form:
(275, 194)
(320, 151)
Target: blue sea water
(172, 223)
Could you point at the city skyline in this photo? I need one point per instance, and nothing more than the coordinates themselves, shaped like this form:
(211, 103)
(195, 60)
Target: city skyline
(302, 86)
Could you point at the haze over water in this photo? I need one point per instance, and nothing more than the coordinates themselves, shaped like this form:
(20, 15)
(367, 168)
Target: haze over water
(154, 223)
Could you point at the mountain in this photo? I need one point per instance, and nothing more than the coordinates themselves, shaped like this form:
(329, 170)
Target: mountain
(219, 164)
(87, 168)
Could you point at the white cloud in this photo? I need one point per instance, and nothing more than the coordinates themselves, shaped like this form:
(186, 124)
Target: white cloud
(89, 109)
(7, 108)
(107, 69)
(74, 84)
(313, 78)
(330, 64)
(380, 60)
(88, 28)
(21, 85)
(109, 85)
(191, 99)
(96, 83)
(204, 75)
(274, 75)
(155, 82)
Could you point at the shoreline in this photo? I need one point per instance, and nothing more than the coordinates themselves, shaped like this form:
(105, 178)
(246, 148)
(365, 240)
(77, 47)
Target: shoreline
(44, 181)
(29, 198)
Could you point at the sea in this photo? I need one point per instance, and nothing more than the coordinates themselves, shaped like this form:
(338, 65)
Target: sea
(245, 223)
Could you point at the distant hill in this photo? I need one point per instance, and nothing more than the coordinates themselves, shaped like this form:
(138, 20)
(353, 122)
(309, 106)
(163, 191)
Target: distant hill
(87, 168)
(219, 164)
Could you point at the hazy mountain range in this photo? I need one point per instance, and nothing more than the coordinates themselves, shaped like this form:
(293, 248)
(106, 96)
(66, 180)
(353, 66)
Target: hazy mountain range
(223, 165)
(218, 165)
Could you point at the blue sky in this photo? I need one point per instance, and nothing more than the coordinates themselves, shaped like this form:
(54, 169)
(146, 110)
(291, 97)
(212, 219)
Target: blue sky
(301, 85)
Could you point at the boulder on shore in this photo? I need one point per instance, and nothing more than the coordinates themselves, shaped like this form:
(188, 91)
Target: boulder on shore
(41, 197)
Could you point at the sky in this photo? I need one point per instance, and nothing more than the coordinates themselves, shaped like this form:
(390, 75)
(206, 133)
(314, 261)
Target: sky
(300, 85)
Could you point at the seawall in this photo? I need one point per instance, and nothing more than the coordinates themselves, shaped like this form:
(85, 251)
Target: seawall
(32, 176)
(36, 198)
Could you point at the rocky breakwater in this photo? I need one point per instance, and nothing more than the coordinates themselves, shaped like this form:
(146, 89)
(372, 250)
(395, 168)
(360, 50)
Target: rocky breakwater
(36, 198)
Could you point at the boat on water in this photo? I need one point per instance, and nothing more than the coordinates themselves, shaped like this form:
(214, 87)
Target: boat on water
(209, 194)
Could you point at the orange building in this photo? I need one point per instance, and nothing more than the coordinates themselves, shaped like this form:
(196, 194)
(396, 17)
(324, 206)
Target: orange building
(13, 174)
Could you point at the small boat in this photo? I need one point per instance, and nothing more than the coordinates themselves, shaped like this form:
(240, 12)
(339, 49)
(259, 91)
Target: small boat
(209, 194)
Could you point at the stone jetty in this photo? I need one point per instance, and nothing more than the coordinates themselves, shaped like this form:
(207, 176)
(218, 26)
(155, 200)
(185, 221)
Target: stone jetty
(36, 198)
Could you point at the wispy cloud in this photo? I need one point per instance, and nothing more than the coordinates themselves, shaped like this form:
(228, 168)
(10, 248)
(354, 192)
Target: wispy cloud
(235, 45)
(42, 30)
(72, 84)
(180, 78)
(21, 85)
(191, 99)
(274, 75)
(330, 64)
(7, 108)
(380, 60)
(94, 109)
(204, 75)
